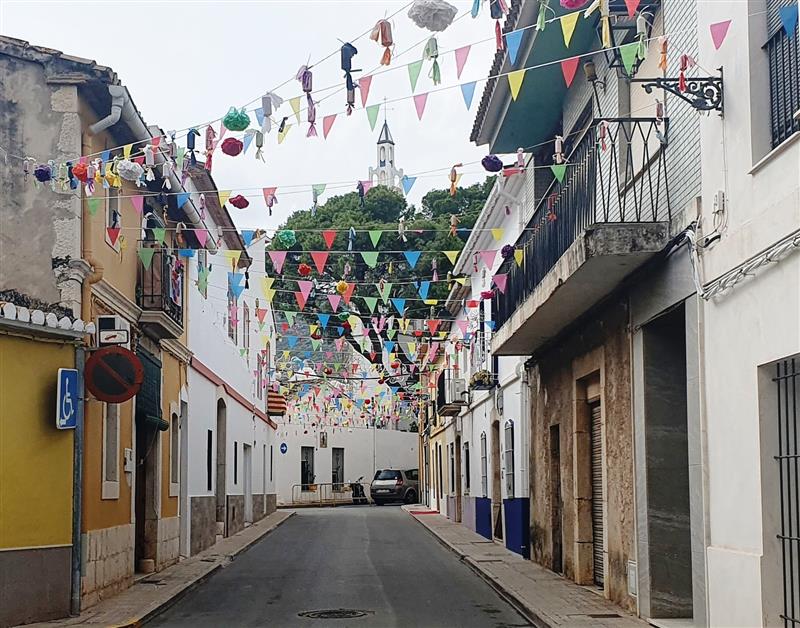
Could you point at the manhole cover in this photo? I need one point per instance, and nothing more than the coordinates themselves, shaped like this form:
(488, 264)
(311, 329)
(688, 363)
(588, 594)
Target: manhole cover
(337, 613)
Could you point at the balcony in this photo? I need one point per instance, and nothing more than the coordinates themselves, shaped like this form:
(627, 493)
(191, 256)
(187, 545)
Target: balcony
(783, 56)
(607, 217)
(159, 292)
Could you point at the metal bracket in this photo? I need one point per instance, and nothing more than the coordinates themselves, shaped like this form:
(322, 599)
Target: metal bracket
(704, 93)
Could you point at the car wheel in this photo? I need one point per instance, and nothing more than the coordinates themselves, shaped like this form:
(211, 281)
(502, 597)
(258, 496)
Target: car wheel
(410, 498)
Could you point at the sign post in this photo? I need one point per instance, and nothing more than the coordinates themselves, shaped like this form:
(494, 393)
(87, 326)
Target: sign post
(67, 399)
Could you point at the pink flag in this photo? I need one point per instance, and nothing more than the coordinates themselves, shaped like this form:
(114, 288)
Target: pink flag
(632, 6)
(339, 342)
(305, 288)
(202, 236)
(488, 257)
(137, 201)
(335, 300)
(568, 68)
(367, 185)
(718, 32)
(327, 123)
(363, 85)
(301, 300)
(500, 281)
(461, 59)
(320, 257)
(419, 103)
(462, 325)
(269, 196)
(329, 236)
(278, 258)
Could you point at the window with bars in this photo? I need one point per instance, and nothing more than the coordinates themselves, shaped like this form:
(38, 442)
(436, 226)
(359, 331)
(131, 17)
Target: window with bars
(246, 326)
(509, 458)
(484, 467)
(783, 57)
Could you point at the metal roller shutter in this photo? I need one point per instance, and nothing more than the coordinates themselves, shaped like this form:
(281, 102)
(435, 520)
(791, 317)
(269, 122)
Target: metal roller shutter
(597, 494)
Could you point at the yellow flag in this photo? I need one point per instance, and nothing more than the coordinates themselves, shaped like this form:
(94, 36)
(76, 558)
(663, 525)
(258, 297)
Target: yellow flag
(412, 347)
(312, 329)
(451, 255)
(519, 254)
(461, 280)
(285, 354)
(497, 234)
(269, 294)
(515, 81)
(126, 151)
(266, 284)
(224, 195)
(282, 134)
(568, 23)
(233, 255)
(431, 301)
(295, 104)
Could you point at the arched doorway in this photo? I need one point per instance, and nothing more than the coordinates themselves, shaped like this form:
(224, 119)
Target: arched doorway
(221, 485)
(497, 495)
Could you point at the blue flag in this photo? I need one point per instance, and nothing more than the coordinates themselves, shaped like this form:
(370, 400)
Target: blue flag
(513, 40)
(468, 92)
(323, 319)
(408, 182)
(412, 257)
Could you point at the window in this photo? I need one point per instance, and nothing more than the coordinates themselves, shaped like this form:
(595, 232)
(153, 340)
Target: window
(113, 218)
(270, 463)
(233, 318)
(259, 376)
(246, 327)
(484, 480)
(235, 462)
(413, 475)
(452, 467)
(388, 475)
(209, 458)
(110, 488)
(783, 58)
(466, 468)
(174, 449)
(509, 458)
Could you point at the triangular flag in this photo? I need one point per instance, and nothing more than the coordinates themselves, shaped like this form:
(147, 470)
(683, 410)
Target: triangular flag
(370, 258)
(497, 233)
(233, 255)
(260, 116)
(372, 115)
(247, 139)
(632, 6)
(301, 300)
(113, 234)
(327, 123)
(419, 104)
(432, 325)
(718, 32)
(568, 69)
(266, 284)
(318, 189)
(159, 233)
(399, 304)
(519, 255)
(290, 316)
(138, 202)
(568, 23)
(461, 59)
(224, 195)
(412, 257)
(375, 236)
(559, 170)
(385, 291)
(334, 300)
(452, 256)
(513, 40)
(319, 257)
(247, 236)
(294, 103)
(488, 257)
(788, 15)
(305, 288)
(371, 303)
(94, 204)
(363, 86)
(236, 283)
(468, 91)
(628, 53)
(348, 294)
(424, 287)
(329, 236)
(413, 73)
(515, 82)
(408, 183)
(500, 281)
(202, 236)
(126, 151)
(278, 258)
(180, 199)
(282, 134)
(146, 255)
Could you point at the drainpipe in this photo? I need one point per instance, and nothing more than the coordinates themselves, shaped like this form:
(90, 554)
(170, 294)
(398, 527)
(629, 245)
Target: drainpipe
(118, 97)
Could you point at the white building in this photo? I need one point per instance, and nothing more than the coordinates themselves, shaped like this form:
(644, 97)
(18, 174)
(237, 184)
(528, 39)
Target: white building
(386, 173)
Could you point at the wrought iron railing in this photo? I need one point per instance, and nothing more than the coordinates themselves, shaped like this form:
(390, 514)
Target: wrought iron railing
(616, 173)
(783, 54)
(160, 286)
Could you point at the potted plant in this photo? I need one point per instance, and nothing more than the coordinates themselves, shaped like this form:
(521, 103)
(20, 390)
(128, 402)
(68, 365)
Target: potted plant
(481, 380)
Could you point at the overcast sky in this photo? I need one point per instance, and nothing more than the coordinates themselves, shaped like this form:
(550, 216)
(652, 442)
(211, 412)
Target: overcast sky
(187, 62)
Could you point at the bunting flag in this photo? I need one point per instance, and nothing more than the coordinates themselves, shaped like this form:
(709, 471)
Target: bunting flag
(260, 116)
(513, 40)
(113, 234)
(568, 69)
(305, 288)
(366, 184)
(719, 31)
(412, 257)
(371, 303)
(93, 203)
(202, 236)
(294, 103)
(500, 281)
(247, 139)
(413, 73)
(372, 115)
(519, 256)
(364, 84)
(278, 258)
(318, 189)
(146, 255)
(419, 104)
(233, 256)
(789, 15)
(290, 316)
(408, 183)
(399, 304)
(247, 236)
(375, 236)
(138, 203)
(370, 258)
(261, 314)
(319, 257)
(559, 170)
(236, 283)
(515, 79)
(334, 300)
(329, 235)
(461, 59)
(349, 292)
(266, 284)
(269, 196)
(301, 300)
(467, 93)
(284, 132)
(223, 195)
(488, 257)
(628, 53)
(181, 198)
(424, 288)
(632, 6)
(126, 151)
(327, 123)
(497, 233)
(160, 234)
(568, 23)
(384, 291)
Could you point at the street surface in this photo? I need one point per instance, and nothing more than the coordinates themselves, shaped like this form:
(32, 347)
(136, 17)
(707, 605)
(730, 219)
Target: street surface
(376, 560)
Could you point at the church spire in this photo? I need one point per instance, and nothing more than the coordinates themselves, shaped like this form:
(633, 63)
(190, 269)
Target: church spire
(386, 173)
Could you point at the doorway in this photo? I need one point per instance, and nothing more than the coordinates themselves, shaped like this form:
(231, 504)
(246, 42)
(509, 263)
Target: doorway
(458, 479)
(183, 505)
(221, 476)
(439, 482)
(247, 454)
(337, 468)
(497, 495)
(598, 520)
(556, 499)
(306, 467)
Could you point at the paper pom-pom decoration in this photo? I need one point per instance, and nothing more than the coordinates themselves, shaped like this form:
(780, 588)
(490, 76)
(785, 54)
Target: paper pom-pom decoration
(487, 294)
(286, 237)
(80, 172)
(367, 402)
(129, 170)
(42, 173)
(304, 270)
(239, 202)
(434, 15)
(343, 316)
(395, 364)
(328, 370)
(507, 251)
(572, 5)
(492, 163)
(231, 146)
(341, 287)
(236, 120)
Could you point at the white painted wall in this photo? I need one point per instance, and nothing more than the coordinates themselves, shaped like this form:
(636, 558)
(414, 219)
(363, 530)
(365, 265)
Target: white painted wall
(753, 324)
(365, 451)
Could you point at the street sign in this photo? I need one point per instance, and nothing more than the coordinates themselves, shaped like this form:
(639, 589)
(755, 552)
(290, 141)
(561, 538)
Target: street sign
(112, 336)
(113, 374)
(67, 399)
(284, 448)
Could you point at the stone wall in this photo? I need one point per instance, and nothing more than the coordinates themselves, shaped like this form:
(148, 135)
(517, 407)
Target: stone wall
(34, 585)
(235, 514)
(204, 523)
(168, 540)
(108, 563)
(258, 507)
(272, 503)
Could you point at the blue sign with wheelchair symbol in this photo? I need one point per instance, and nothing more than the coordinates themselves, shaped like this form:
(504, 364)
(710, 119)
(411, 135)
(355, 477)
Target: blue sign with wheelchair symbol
(67, 399)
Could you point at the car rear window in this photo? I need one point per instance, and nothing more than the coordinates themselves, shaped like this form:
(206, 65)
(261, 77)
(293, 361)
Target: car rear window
(387, 475)
(412, 474)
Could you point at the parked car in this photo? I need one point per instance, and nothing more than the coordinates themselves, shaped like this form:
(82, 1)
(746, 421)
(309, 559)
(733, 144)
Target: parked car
(391, 485)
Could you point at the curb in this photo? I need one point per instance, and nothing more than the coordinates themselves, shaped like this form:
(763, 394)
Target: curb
(508, 596)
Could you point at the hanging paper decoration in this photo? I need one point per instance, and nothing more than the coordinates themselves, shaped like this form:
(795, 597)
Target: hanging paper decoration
(364, 84)
(382, 34)
(286, 237)
(433, 15)
(492, 163)
(568, 69)
(507, 251)
(568, 23)
(342, 286)
(515, 82)
(190, 144)
(454, 178)
(304, 270)
(348, 51)
(719, 31)
(211, 143)
(431, 53)
(236, 120)
(269, 103)
(306, 81)
(468, 92)
(605, 24)
(685, 63)
(129, 170)
(372, 115)
(789, 16)
(231, 146)
(413, 73)
(239, 202)
(269, 198)
(497, 9)
(419, 104)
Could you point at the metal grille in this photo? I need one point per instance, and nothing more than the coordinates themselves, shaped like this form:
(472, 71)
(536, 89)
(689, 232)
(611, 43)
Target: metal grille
(788, 458)
(597, 495)
(160, 286)
(783, 54)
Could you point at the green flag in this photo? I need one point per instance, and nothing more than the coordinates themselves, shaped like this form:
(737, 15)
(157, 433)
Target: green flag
(413, 73)
(146, 255)
(370, 258)
(628, 53)
(372, 115)
(93, 203)
(559, 170)
(371, 303)
(375, 236)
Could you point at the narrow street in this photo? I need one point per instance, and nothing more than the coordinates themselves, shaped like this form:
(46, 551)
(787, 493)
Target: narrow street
(370, 559)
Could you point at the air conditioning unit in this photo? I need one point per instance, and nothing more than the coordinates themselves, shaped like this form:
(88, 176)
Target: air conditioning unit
(457, 389)
(498, 400)
(113, 330)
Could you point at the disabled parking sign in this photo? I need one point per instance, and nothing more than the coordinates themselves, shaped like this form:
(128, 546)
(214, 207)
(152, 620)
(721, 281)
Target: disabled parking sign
(67, 399)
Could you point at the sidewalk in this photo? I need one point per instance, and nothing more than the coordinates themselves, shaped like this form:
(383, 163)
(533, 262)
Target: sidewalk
(545, 598)
(156, 592)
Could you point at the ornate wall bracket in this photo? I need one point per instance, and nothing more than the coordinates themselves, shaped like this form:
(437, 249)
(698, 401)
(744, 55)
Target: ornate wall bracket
(704, 93)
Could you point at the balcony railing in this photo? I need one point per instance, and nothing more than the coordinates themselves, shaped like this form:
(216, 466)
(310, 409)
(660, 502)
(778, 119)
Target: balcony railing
(160, 286)
(616, 173)
(783, 54)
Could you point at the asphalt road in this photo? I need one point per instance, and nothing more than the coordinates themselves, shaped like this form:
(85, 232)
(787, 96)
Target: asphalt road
(377, 560)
